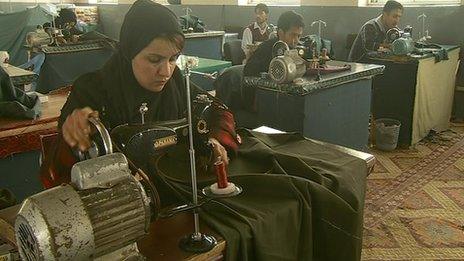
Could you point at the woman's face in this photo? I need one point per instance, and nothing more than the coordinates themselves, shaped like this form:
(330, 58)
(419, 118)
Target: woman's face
(154, 65)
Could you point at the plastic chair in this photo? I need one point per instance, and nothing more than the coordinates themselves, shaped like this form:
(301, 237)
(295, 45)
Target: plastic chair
(233, 52)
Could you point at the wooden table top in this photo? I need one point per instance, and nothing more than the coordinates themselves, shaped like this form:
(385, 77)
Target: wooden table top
(50, 113)
(23, 135)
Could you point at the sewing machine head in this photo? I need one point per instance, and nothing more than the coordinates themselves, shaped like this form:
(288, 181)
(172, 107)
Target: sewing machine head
(66, 222)
(396, 33)
(140, 142)
(401, 40)
(308, 47)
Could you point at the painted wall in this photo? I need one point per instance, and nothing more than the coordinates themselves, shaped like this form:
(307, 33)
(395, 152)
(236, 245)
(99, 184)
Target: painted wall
(446, 23)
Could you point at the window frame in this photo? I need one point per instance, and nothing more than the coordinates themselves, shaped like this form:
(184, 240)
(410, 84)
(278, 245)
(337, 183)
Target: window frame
(268, 2)
(407, 3)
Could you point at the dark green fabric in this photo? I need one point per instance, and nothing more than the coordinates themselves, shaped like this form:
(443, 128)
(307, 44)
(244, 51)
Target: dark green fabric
(7, 199)
(14, 102)
(440, 53)
(301, 200)
(60, 70)
(14, 27)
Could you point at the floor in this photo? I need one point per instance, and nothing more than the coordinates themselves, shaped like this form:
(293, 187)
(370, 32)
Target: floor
(414, 207)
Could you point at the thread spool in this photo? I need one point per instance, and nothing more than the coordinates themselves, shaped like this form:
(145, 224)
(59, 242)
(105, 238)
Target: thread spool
(221, 174)
(222, 186)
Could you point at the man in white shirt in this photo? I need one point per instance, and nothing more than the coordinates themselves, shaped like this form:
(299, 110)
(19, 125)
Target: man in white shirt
(258, 31)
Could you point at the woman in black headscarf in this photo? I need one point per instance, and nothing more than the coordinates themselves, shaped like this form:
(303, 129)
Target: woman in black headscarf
(300, 201)
(142, 70)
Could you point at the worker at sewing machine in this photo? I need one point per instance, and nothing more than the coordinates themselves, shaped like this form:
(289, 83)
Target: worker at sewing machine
(372, 36)
(289, 30)
(291, 189)
(257, 32)
(67, 23)
(143, 71)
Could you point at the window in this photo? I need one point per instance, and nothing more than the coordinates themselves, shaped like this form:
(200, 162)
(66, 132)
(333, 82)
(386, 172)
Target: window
(270, 2)
(163, 2)
(103, 1)
(417, 2)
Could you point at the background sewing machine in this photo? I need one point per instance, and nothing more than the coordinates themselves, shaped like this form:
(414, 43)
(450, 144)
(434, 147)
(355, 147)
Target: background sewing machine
(64, 62)
(50, 41)
(290, 65)
(403, 46)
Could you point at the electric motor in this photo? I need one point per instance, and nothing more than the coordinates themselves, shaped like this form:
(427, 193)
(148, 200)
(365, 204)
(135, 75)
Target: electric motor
(100, 215)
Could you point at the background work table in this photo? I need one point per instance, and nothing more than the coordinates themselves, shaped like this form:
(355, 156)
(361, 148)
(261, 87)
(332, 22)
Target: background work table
(418, 92)
(335, 109)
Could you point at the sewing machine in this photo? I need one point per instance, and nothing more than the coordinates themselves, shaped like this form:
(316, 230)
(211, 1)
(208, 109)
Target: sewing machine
(401, 41)
(290, 65)
(287, 64)
(110, 202)
(50, 41)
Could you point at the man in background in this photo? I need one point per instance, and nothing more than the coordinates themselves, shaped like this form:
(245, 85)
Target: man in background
(289, 30)
(256, 32)
(372, 35)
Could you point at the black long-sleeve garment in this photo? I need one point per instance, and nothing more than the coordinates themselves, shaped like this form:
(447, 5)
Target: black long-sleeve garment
(369, 38)
(260, 59)
(118, 106)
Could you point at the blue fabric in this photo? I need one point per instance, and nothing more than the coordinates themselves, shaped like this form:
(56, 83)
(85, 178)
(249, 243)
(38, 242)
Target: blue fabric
(35, 63)
(15, 103)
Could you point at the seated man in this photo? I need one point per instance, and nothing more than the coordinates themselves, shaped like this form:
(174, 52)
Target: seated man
(67, 22)
(256, 32)
(373, 33)
(289, 29)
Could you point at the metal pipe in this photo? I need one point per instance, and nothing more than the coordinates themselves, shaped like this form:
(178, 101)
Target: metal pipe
(423, 17)
(212, 76)
(193, 172)
(319, 23)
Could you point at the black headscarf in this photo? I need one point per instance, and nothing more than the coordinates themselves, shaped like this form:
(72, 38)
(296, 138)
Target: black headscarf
(145, 21)
(114, 91)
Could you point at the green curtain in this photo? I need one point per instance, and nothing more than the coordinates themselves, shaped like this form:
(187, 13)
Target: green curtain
(14, 28)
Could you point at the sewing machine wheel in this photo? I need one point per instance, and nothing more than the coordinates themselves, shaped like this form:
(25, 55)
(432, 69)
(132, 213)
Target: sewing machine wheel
(279, 48)
(393, 34)
(100, 141)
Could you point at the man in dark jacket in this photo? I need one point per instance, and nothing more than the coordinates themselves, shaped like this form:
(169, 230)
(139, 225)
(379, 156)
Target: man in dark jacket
(373, 33)
(289, 29)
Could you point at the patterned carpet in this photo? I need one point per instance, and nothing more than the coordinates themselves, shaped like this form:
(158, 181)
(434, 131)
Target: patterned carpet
(415, 201)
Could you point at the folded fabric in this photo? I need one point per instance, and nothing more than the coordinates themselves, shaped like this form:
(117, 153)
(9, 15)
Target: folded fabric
(15, 102)
(7, 199)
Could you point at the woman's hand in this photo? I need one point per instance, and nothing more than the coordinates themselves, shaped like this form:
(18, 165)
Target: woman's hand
(219, 151)
(76, 128)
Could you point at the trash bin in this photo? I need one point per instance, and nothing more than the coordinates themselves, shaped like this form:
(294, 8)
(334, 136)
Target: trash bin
(386, 133)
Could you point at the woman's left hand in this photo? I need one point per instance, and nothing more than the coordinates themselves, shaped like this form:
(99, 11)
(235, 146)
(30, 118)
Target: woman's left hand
(219, 151)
